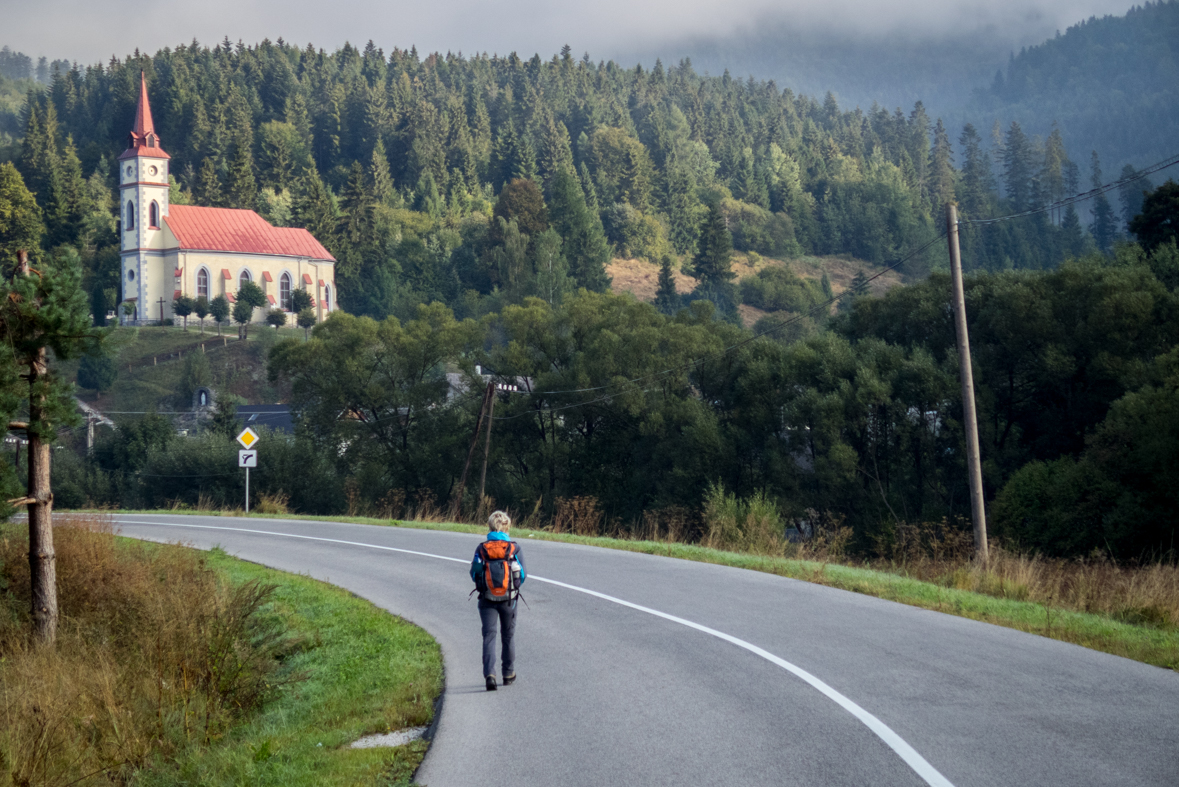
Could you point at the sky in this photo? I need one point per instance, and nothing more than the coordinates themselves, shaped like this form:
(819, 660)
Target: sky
(92, 30)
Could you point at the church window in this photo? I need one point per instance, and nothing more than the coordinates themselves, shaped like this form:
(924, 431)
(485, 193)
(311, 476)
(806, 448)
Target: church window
(327, 297)
(245, 277)
(284, 291)
(153, 215)
(203, 283)
(130, 215)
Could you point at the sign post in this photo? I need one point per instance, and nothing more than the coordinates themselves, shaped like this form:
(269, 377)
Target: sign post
(247, 457)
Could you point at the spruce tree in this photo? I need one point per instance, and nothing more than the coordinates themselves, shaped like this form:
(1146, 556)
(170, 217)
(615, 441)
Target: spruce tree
(240, 186)
(667, 300)
(713, 264)
(207, 191)
(380, 181)
(585, 244)
(1104, 227)
(20, 220)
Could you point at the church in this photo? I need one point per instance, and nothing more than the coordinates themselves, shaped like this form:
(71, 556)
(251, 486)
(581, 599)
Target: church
(174, 250)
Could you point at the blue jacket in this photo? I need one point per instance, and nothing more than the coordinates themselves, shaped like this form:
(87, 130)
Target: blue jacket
(477, 563)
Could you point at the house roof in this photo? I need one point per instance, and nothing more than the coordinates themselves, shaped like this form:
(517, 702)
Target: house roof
(227, 229)
(272, 416)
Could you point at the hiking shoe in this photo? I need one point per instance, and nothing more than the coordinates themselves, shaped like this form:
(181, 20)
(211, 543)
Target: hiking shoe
(509, 679)
(491, 683)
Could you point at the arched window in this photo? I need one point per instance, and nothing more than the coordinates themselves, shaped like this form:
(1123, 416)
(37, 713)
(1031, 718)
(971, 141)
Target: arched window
(130, 215)
(284, 291)
(327, 296)
(153, 215)
(203, 283)
(245, 277)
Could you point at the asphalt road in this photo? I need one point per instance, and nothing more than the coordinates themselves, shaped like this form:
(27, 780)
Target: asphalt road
(636, 669)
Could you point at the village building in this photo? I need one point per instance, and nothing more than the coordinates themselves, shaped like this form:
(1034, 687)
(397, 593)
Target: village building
(173, 250)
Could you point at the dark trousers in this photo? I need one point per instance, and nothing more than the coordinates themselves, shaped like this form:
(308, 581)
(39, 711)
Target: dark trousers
(503, 612)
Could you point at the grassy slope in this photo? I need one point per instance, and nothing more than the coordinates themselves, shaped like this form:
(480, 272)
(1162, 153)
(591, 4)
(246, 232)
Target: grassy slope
(640, 277)
(150, 362)
(367, 672)
(1157, 646)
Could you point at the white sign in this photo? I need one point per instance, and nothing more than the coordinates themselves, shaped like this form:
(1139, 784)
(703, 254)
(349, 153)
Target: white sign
(247, 459)
(248, 438)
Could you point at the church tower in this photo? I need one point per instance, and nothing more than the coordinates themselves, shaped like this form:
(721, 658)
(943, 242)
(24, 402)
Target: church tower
(143, 196)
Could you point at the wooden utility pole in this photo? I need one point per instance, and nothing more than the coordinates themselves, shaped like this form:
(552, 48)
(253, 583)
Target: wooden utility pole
(487, 444)
(458, 497)
(970, 416)
(39, 499)
(161, 311)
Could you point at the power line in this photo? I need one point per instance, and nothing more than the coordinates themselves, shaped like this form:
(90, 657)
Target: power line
(1082, 197)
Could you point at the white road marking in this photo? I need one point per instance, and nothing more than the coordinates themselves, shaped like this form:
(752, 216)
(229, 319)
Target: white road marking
(919, 764)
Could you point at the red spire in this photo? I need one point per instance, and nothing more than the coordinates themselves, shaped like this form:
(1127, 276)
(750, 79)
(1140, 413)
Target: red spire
(142, 139)
(143, 124)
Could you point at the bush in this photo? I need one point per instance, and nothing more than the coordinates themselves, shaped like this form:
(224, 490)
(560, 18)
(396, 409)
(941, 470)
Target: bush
(778, 289)
(636, 234)
(97, 373)
(756, 229)
(753, 524)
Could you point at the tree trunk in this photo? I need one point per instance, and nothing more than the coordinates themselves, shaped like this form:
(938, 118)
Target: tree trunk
(42, 559)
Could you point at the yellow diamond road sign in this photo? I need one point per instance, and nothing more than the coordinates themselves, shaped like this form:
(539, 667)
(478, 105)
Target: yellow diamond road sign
(248, 437)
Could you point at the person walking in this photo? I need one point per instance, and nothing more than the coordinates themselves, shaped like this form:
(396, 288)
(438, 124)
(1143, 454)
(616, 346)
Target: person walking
(498, 572)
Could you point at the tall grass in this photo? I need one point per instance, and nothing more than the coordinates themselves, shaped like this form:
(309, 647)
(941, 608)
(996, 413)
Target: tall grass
(155, 653)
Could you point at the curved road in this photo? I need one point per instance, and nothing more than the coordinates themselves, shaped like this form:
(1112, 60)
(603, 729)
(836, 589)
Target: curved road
(636, 669)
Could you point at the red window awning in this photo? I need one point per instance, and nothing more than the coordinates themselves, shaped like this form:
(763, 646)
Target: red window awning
(306, 278)
(266, 275)
(271, 299)
(175, 294)
(225, 274)
(231, 297)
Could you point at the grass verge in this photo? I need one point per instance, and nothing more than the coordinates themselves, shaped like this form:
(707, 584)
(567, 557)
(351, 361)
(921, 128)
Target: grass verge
(345, 669)
(1151, 644)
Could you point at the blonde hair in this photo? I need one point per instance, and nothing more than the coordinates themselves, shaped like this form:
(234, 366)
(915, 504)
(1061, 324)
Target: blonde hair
(499, 521)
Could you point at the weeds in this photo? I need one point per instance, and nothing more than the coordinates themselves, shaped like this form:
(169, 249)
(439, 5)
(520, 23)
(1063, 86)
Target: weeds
(155, 652)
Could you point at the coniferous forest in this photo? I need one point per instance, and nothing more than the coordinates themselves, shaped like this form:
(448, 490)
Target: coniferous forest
(473, 204)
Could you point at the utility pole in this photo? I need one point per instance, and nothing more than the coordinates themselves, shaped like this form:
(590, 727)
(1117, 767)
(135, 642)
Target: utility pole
(970, 416)
(89, 433)
(458, 497)
(490, 418)
(161, 311)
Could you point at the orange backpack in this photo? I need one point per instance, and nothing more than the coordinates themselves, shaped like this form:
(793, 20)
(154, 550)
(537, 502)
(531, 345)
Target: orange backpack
(501, 576)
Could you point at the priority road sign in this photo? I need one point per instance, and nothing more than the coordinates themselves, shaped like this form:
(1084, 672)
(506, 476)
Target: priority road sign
(248, 438)
(247, 459)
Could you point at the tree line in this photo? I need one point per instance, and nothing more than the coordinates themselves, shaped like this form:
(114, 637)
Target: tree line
(478, 181)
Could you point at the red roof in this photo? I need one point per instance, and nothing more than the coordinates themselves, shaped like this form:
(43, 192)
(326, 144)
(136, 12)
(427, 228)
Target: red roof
(227, 229)
(143, 138)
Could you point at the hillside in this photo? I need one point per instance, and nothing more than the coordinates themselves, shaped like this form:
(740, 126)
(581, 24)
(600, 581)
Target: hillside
(156, 370)
(1110, 84)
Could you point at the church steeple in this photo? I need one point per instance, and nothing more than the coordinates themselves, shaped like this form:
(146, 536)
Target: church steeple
(143, 140)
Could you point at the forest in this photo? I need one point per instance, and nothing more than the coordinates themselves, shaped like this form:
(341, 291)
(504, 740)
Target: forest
(473, 204)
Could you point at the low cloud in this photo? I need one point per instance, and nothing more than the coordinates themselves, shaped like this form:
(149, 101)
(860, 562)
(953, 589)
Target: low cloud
(92, 30)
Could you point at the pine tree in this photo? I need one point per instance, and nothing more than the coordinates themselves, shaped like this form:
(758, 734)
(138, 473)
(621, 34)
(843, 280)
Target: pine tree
(683, 208)
(591, 194)
(1018, 168)
(667, 300)
(977, 179)
(313, 208)
(240, 186)
(941, 168)
(380, 181)
(713, 264)
(1132, 193)
(207, 191)
(1104, 227)
(585, 244)
(20, 220)
(68, 199)
(355, 202)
